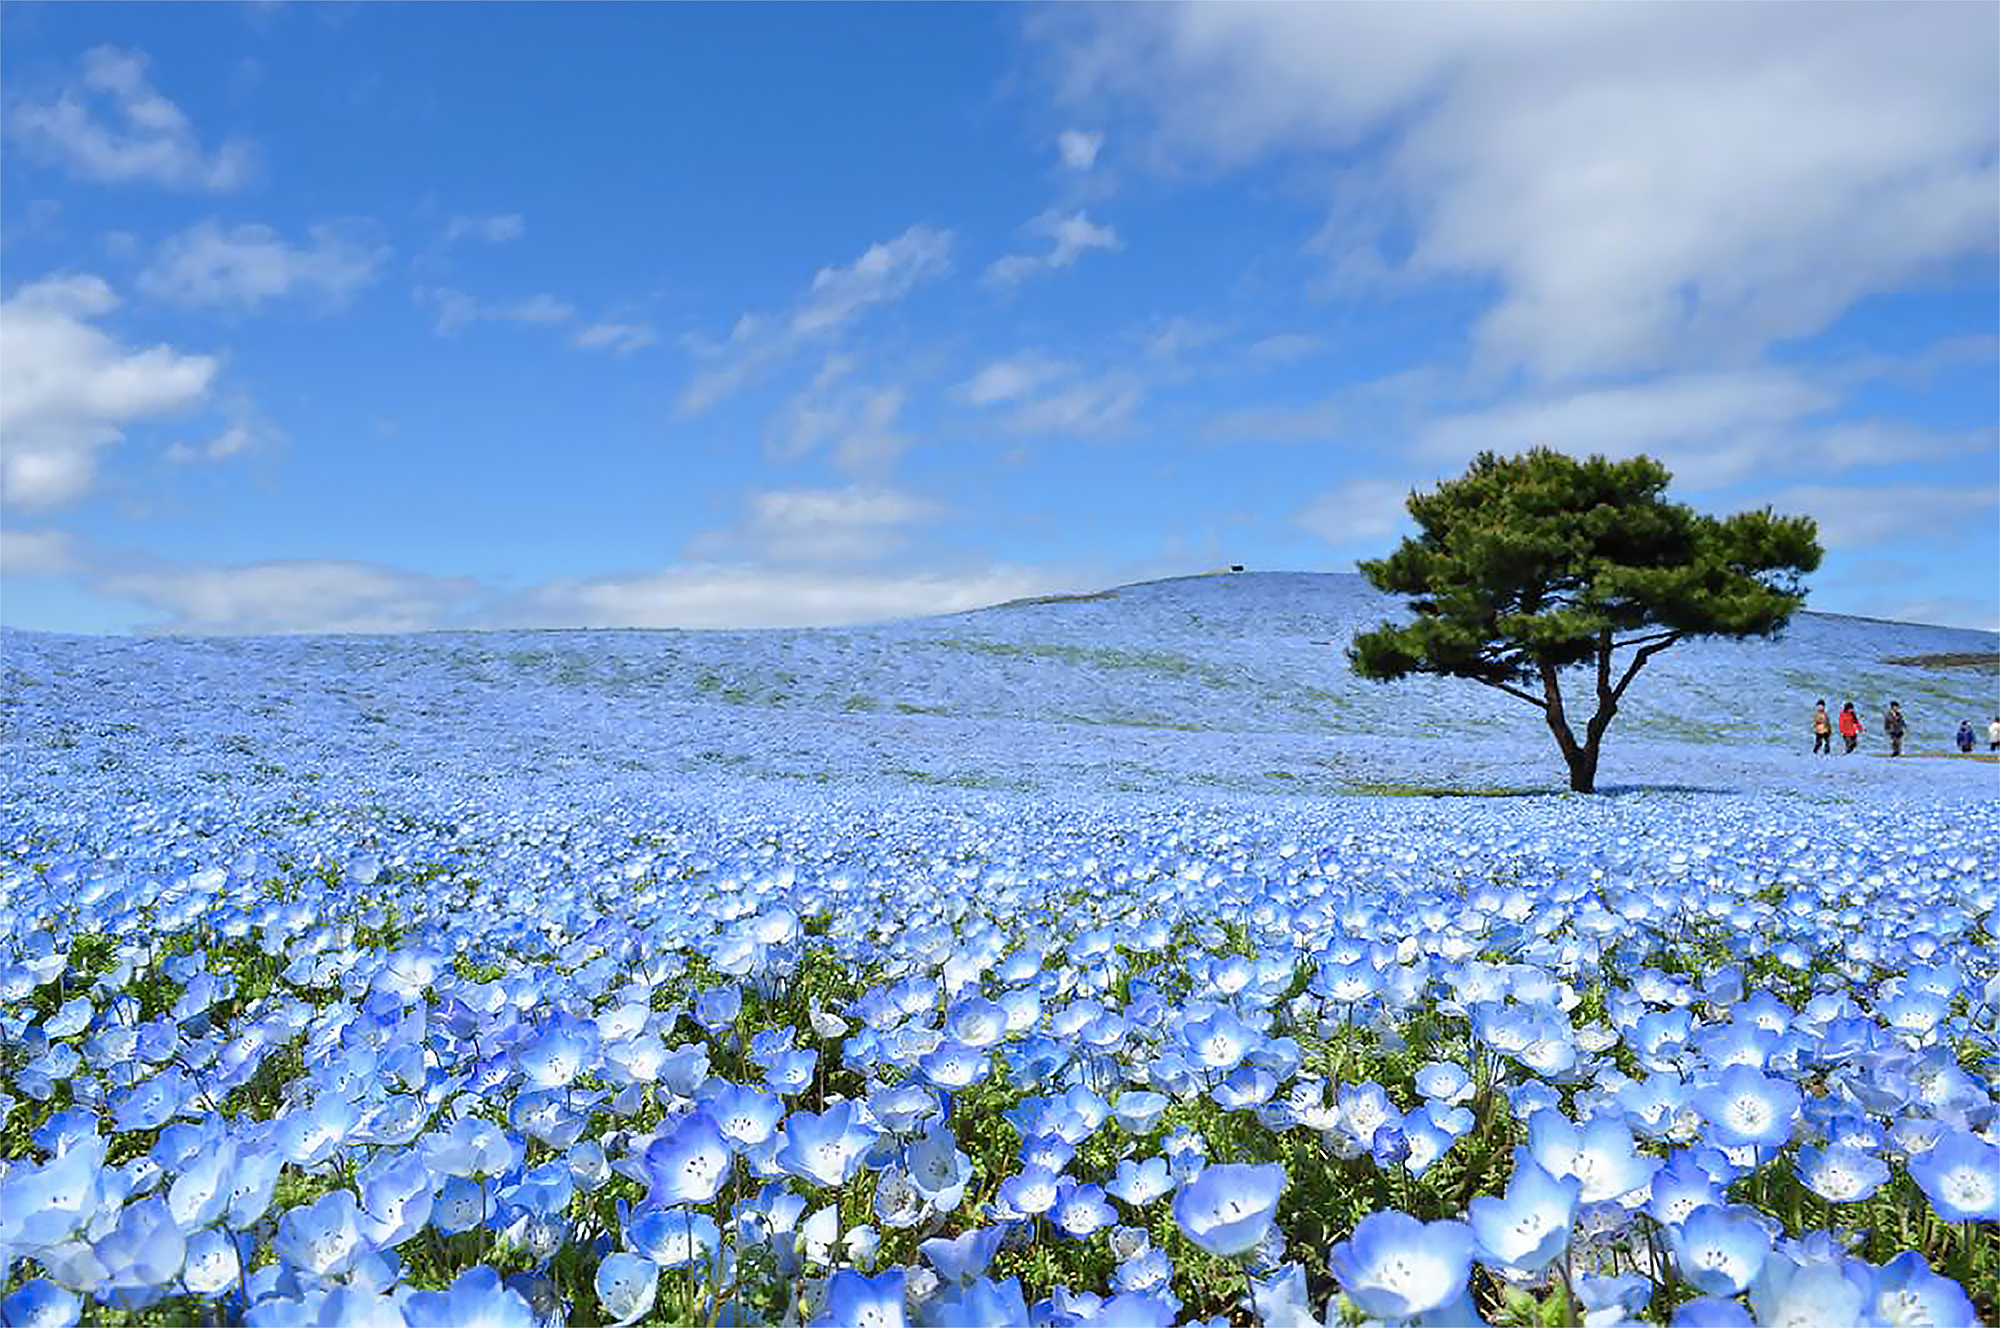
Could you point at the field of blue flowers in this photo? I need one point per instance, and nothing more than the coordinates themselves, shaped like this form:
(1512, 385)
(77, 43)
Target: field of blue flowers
(1110, 960)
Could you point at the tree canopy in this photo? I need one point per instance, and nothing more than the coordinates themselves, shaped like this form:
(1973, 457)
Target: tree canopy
(1526, 566)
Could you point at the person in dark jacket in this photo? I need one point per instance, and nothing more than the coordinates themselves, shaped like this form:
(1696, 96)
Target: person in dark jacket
(1892, 724)
(1965, 735)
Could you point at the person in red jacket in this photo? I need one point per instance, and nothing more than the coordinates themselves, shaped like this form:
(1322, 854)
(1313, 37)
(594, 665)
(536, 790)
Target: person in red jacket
(1850, 726)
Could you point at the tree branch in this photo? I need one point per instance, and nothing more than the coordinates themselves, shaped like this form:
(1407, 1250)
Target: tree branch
(1639, 661)
(1529, 697)
(1642, 640)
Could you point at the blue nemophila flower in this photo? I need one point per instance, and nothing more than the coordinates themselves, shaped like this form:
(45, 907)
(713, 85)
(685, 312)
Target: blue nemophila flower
(791, 1072)
(1719, 1250)
(477, 1299)
(324, 1237)
(1680, 1187)
(1746, 1106)
(954, 1066)
(1961, 1177)
(1601, 1155)
(1841, 1174)
(1029, 1192)
(980, 1304)
(1906, 1291)
(559, 1054)
(745, 1115)
(461, 1204)
(625, 1286)
(1139, 1183)
(825, 1149)
(40, 1206)
(1080, 1210)
(1527, 1229)
(144, 1251)
(688, 1165)
(964, 1258)
(1395, 1267)
(897, 1203)
(939, 1168)
(1137, 1109)
(1810, 1295)
(1218, 1042)
(1051, 1152)
(40, 1303)
(1227, 1208)
(1712, 1312)
(674, 1237)
(212, 1262)
(854, 1300)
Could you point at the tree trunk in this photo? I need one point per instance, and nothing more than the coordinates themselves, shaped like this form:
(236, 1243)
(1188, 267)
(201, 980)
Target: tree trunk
(1582, 767)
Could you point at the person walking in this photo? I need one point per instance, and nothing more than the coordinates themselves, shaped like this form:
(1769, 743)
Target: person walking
(1892, 724)
(1993, 735)
(1823, 730)
(1850, 727)
(1965, 735)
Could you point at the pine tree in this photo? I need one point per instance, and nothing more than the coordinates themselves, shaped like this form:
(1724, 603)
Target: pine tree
(1526, 566)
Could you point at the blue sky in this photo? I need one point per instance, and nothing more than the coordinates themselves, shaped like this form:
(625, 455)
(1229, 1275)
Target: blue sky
(331, 317)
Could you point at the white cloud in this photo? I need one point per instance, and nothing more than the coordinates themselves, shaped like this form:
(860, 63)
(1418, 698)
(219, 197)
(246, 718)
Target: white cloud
(838, 295)
(1078, 148)
(305, 595)
(1858, 516)
(737, 597)
(1711, 428)
(453, 310)
(1356, 511)
(851, 524)
(1649, 185)
(1069, 239)
(616, 337)
(246, 433)
(68, 389)
(886, 271)
(857, 420)
(1095, 406)
(147, 138)
(249, 265)
(496, 229)
(36, 552)
(1013, 378)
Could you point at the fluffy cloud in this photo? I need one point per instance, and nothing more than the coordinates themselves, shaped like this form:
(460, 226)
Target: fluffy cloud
(145, 138)
(721, 596)
(1070, 238)
(1356, 511)
(497, 229)
(817, 526)
(1013, 378)
(1078, 148)
(616, 337)
(1648, 185)
(68, 389)
(454, 310)
(1711, 429)
(33, 552)
(838, 295)
(306, 595)
(248, 266)
(1859, 516)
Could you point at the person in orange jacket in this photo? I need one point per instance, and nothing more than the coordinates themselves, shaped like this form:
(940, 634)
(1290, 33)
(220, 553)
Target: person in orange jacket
(1850, 726)
(1822, 730)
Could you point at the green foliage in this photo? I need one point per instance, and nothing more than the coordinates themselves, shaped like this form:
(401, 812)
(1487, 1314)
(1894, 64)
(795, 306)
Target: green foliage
(1526, 566)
